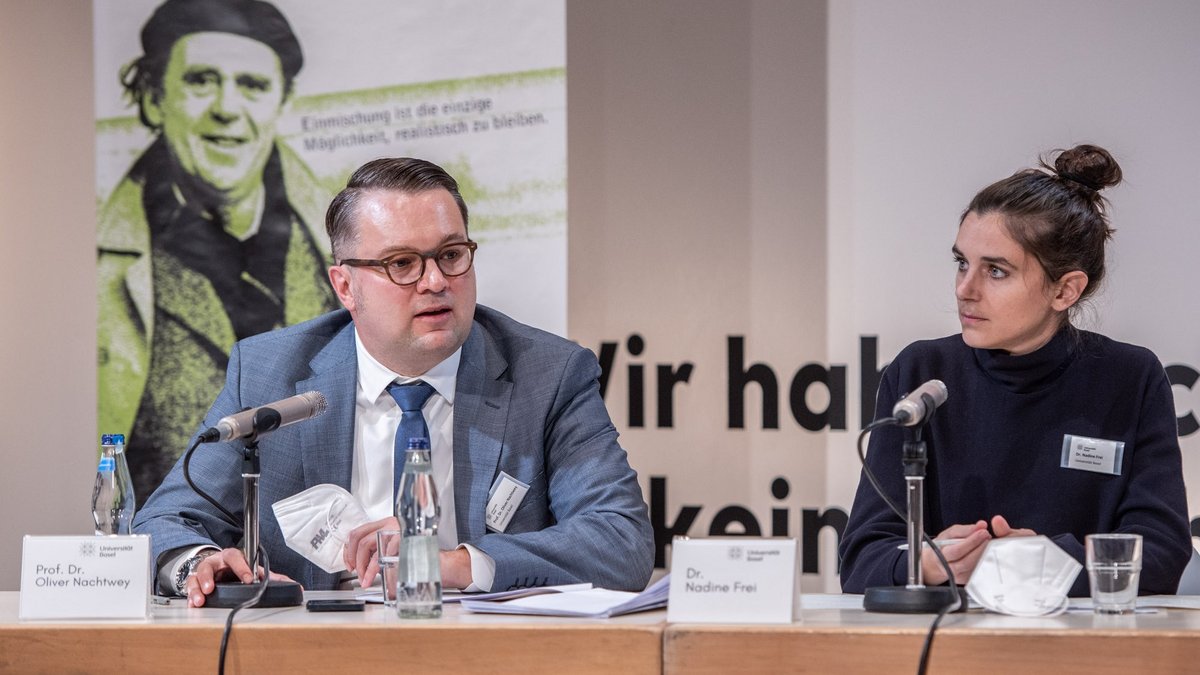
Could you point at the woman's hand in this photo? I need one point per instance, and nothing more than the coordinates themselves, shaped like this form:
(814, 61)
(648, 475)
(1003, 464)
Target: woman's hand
(963, 556)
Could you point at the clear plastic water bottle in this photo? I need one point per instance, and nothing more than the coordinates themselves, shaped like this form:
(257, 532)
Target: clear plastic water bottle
(419, 582)
(113, 501)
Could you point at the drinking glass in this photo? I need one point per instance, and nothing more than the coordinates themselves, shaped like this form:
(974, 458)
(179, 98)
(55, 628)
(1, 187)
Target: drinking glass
(389, 562)
(1114, 563)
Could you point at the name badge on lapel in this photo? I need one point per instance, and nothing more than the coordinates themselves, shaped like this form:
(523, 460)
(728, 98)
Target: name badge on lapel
(503, 499)
(1092, 454)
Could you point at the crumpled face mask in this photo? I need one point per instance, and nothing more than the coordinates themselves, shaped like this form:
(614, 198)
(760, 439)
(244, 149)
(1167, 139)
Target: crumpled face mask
(1023, 576)
(316, 522)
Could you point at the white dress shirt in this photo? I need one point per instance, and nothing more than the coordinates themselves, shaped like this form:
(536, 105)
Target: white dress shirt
(376, 420)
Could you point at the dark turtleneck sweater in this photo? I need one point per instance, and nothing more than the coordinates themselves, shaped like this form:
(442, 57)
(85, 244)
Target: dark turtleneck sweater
(995, 448)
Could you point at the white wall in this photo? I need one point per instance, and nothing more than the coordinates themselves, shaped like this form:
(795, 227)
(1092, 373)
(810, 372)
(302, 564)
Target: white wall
(696, 205)
(932, 100)
(47, 282)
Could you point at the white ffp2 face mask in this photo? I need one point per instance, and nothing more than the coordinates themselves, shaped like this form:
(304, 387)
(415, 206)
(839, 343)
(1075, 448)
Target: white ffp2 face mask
(316, 522)
(1023, 576)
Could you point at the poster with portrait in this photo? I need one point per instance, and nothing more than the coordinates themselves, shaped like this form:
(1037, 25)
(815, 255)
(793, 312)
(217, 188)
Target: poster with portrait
(224, 127)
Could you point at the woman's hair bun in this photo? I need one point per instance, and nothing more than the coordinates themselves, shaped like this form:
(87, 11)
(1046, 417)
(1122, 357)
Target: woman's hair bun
(1088, 165)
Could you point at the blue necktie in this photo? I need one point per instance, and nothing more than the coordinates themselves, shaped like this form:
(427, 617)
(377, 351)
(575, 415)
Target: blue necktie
(410, 397)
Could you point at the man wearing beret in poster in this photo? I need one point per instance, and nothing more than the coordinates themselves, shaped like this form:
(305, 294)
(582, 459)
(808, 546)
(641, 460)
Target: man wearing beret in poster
(215, 233)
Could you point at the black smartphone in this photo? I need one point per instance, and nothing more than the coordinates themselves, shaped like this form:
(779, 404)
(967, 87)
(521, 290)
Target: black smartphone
(334, 605)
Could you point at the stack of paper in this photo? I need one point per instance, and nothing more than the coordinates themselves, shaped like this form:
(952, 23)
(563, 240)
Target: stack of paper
(518, 593)
(451, 596)
(598, 603)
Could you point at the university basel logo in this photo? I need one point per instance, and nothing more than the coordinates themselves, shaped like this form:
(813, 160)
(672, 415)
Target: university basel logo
(736, 552)
(87, 549)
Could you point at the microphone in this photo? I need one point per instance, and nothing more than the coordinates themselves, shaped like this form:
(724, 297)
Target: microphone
(278, 414)
(920, 404)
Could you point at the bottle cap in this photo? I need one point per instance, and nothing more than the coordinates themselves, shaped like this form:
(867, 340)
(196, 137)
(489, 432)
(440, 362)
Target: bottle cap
(418, 444)
(112, 439)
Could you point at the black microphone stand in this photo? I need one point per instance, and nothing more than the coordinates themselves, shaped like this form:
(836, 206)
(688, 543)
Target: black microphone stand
(916, 597)
(278, 593)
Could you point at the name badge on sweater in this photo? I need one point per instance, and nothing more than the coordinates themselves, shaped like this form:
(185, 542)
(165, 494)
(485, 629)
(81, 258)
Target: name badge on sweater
(1092, 454)
(503, 499)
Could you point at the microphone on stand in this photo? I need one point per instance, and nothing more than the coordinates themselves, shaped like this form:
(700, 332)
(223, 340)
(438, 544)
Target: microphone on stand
(266, 418)
(914, 410)
(920, 404)
(249, 426)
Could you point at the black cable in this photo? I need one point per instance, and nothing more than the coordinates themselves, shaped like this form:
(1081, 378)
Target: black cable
(262, 589)
(187, 476)
(954, 604)
(928, 644)
(233, 520)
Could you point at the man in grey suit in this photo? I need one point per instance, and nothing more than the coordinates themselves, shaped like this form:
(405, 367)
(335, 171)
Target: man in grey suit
(507, 400)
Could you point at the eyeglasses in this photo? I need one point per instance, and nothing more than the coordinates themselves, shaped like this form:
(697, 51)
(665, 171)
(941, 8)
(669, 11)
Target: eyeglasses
(406, 269)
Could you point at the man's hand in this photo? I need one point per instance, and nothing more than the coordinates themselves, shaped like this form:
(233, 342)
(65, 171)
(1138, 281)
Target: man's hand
(359, 550)
(456, 568)
(361, 557)
(963, 556)
(227, 565)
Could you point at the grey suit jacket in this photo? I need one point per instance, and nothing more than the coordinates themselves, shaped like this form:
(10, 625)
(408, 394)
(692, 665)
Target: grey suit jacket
(527, 403)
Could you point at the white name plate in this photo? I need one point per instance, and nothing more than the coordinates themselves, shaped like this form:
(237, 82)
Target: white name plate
(88, 577)
(733, 580)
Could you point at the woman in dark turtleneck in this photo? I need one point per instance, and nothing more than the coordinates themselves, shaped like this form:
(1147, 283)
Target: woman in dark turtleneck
(1023, 383)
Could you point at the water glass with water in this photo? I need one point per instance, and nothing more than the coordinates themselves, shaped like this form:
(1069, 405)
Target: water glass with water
(1114, 563)
(389, 562)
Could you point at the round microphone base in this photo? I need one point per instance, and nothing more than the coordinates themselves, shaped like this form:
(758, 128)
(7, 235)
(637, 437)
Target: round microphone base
(278, 594)
(902, 600)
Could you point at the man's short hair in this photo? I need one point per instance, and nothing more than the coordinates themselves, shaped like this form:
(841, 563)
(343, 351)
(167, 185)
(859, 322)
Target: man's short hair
(175, 19)
(399, 174)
